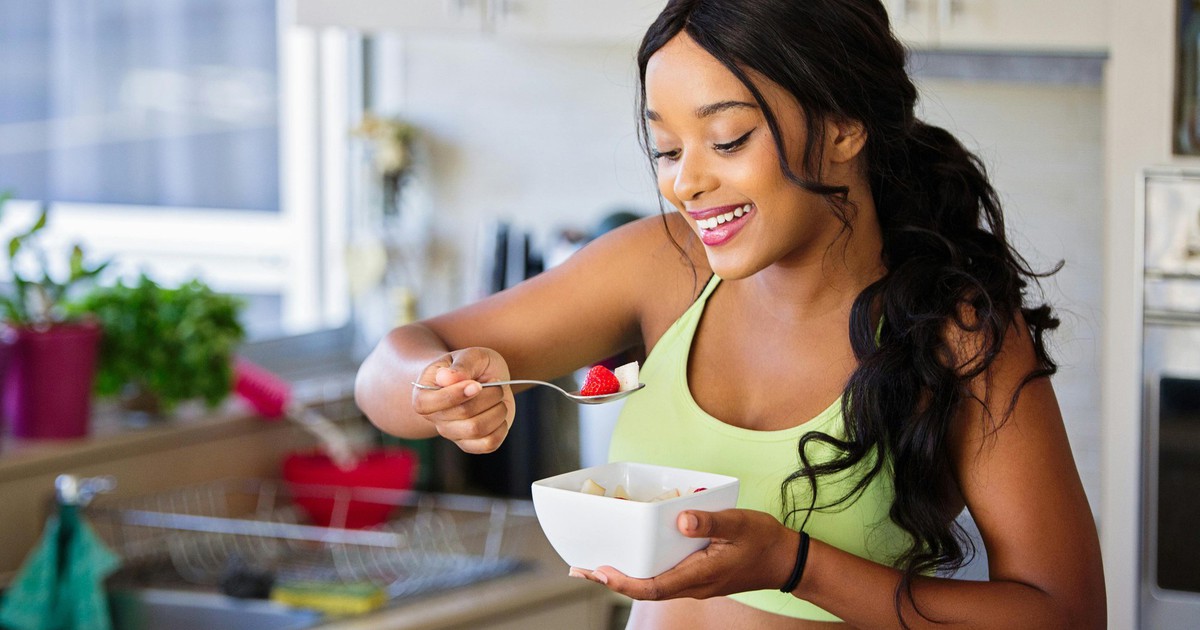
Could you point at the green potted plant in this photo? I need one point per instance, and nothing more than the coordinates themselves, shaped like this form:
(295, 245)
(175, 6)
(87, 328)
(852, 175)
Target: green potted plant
(53, 350)
(162, 346)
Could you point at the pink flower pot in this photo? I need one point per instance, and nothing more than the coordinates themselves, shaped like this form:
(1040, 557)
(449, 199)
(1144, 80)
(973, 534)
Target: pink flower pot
(48, 391)
(6, 350)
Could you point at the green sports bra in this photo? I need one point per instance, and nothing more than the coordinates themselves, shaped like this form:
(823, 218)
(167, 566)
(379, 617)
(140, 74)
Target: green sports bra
(664, 425)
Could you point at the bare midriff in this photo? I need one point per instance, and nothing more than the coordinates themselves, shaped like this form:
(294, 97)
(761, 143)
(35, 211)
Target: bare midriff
(717, 613)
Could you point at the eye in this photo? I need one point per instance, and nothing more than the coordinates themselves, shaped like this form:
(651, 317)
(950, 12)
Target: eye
(730, 147)
(669, 156)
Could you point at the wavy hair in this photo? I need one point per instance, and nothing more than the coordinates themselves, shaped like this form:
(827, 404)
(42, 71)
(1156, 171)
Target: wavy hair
(948, 262)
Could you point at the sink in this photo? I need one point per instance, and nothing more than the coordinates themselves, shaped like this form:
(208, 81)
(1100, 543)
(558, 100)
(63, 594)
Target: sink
(179, 548)
(161, 609)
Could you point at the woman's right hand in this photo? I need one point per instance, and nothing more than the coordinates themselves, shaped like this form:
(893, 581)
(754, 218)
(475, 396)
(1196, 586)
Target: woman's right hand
(475, 418)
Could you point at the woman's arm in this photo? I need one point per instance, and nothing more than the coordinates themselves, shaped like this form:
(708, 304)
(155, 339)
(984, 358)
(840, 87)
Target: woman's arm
(592, 306)
(1020, 483)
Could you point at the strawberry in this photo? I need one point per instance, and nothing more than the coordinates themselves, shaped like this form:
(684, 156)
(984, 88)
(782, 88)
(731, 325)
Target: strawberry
(599, 381)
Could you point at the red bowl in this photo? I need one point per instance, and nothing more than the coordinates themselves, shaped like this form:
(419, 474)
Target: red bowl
(365, 493)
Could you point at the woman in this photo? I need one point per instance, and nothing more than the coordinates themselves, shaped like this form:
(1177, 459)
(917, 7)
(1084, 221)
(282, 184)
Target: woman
(832, 314)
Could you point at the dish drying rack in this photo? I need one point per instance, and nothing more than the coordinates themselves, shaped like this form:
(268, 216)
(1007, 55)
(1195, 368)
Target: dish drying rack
(435, 541)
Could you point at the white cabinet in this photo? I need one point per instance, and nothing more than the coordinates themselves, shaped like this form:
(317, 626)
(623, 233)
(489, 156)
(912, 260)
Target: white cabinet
(403, 16)
(913, 21)
(1003, 25)
(558, 20)
(573, 20)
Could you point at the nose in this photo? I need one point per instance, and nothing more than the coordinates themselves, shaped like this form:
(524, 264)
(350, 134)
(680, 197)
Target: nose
(693, 178)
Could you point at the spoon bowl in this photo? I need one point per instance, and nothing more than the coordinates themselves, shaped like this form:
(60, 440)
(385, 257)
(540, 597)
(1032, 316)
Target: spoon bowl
(575, 396)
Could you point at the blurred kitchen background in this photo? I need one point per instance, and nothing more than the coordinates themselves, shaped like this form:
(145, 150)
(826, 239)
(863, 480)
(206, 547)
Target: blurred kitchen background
(217, 139)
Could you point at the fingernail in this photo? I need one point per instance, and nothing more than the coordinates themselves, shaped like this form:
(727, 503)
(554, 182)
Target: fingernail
(442, 375)
(690, 522)
(472, 389)
(576, 573)
(600, 577)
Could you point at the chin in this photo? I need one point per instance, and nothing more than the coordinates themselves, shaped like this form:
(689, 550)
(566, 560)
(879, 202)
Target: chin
(731, 270)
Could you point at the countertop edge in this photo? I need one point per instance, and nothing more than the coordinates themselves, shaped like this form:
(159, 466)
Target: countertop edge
(53, 456)
(487, 600)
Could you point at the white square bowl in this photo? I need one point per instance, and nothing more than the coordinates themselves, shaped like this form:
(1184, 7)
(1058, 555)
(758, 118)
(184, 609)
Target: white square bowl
(637, 537)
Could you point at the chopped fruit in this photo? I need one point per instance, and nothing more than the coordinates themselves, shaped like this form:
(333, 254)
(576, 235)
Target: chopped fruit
(669, 494)
(627, 376)
(619, 492)
(591, 487)
(599, 382)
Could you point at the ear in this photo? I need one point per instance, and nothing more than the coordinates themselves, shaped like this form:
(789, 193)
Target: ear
(844, 140)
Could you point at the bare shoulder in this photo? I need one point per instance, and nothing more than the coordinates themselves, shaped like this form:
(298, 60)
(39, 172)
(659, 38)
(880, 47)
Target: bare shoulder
(658, 262)
(997, 365)
(972, 348)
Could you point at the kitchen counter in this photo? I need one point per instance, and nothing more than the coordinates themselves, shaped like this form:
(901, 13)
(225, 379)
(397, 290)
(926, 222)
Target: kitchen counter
(197, 445)
(227, 443)
(183, 452)
(200, 446)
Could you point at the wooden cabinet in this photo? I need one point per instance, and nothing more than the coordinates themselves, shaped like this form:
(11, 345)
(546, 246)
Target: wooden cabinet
(555, 20)
(1002, 25)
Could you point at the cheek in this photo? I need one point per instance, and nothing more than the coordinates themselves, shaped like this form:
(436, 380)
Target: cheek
(666, 184)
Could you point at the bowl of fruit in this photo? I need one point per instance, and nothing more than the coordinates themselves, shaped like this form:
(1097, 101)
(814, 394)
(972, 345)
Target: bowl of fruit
(623, 514)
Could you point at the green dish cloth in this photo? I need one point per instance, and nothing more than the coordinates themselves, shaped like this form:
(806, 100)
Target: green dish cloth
(61, 584)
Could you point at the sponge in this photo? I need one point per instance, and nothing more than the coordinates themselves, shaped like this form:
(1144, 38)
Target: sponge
(329, 597)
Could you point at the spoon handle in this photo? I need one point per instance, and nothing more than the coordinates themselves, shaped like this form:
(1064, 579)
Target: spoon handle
(499, 383)
(586, 400)
(521, 381)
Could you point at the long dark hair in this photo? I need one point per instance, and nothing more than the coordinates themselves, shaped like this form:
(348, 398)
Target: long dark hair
(948, 263)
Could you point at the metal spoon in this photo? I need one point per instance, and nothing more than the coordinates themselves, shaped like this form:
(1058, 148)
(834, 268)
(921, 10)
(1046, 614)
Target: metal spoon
(583, 400)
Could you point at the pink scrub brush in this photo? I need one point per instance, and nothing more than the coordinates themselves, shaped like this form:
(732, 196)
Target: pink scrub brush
(271, 397)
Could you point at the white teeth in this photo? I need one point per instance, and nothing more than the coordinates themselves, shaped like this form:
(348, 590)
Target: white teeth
(712, 222)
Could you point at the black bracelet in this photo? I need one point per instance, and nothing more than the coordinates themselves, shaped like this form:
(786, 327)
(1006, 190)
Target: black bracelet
(798, 570)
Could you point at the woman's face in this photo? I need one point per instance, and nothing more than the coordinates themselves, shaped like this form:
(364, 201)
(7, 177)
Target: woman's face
(717, 164)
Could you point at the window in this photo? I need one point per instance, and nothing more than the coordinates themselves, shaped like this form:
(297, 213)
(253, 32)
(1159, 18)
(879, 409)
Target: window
(181, 138)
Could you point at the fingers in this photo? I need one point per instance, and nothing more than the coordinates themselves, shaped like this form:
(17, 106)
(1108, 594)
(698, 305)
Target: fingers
(468, 364)
(462, 400)
(668, 585)
(485, 444)
(482, 433)
(476, 424)
(475, 418)
(723, 525)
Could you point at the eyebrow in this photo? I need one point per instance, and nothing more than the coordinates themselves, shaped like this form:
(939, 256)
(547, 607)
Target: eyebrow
(704, 111)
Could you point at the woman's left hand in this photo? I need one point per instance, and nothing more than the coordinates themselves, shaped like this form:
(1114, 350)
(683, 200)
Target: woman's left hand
(750, 551)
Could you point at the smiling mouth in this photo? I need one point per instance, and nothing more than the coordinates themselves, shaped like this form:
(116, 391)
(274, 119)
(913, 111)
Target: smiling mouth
(711, 223)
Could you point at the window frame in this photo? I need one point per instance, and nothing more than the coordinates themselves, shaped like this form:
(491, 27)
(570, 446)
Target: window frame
(297, 251)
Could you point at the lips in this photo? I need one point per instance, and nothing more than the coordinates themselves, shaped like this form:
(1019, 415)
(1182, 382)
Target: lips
(718, 225)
